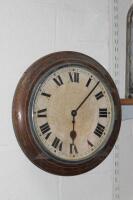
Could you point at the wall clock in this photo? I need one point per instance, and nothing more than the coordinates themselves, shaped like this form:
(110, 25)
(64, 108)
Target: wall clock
(66, 113)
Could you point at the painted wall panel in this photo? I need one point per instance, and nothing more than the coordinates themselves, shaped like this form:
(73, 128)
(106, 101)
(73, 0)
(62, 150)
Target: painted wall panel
(126, 136)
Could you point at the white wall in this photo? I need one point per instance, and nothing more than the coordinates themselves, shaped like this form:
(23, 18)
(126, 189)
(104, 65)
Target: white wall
(126, 135)
(30, 29)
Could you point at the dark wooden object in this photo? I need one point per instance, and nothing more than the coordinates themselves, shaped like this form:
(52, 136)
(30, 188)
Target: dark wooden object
(126, 101)
(21, 122)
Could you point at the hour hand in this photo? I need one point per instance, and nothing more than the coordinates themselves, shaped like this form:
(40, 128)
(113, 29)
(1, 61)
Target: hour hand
(73, 148)
(73, 135)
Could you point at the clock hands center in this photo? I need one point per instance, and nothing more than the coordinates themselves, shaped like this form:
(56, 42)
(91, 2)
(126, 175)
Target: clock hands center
(73, 133)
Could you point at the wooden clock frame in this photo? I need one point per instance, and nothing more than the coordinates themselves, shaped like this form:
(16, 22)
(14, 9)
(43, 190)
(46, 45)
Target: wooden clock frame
(21, 123)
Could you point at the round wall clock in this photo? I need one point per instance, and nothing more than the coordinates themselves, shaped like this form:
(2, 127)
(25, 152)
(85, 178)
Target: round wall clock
(66, 113)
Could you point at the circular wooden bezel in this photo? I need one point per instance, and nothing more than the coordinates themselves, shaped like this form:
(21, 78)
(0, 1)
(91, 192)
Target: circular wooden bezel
(20, 114)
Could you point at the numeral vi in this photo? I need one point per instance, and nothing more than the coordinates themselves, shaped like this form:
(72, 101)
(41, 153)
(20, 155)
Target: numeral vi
(73, 149)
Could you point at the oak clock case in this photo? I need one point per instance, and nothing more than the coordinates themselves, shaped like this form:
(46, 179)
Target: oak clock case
(66, 113)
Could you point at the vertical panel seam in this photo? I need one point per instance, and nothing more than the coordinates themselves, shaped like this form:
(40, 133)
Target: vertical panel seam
(116, 74)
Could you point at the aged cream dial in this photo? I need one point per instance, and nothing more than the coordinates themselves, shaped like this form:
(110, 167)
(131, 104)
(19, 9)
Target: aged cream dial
(71, 112)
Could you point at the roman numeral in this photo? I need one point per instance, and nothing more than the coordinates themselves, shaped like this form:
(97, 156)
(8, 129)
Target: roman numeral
(89, 143)
(47, 135)
(99, 130)
(58, 81)
(99, 95)
(74, 77)
(73, 149)
(45, 94)
(57, 144)
(103, 112)
(45, 128)
(88, 82)
(41, 113)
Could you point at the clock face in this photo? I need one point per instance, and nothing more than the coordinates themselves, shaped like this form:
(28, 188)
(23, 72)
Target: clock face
(66, 113)
(71, 113)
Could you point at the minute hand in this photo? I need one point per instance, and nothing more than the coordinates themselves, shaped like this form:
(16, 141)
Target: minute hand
(87, 97)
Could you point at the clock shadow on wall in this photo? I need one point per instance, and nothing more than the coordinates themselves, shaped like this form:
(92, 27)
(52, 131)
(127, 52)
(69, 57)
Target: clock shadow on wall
(66, 113)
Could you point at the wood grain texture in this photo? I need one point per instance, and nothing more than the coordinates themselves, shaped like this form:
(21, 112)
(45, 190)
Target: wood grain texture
(126, 101)
(21, 122)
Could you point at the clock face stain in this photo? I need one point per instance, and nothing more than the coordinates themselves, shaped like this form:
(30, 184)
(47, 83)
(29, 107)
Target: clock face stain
(66, 113)
(71, 112)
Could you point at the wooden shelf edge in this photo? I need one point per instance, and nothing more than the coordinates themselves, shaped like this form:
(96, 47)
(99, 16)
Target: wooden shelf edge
(126, 101)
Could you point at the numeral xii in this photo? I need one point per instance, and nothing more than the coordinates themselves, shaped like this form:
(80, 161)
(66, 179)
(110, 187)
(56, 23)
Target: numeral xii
(74, 77)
